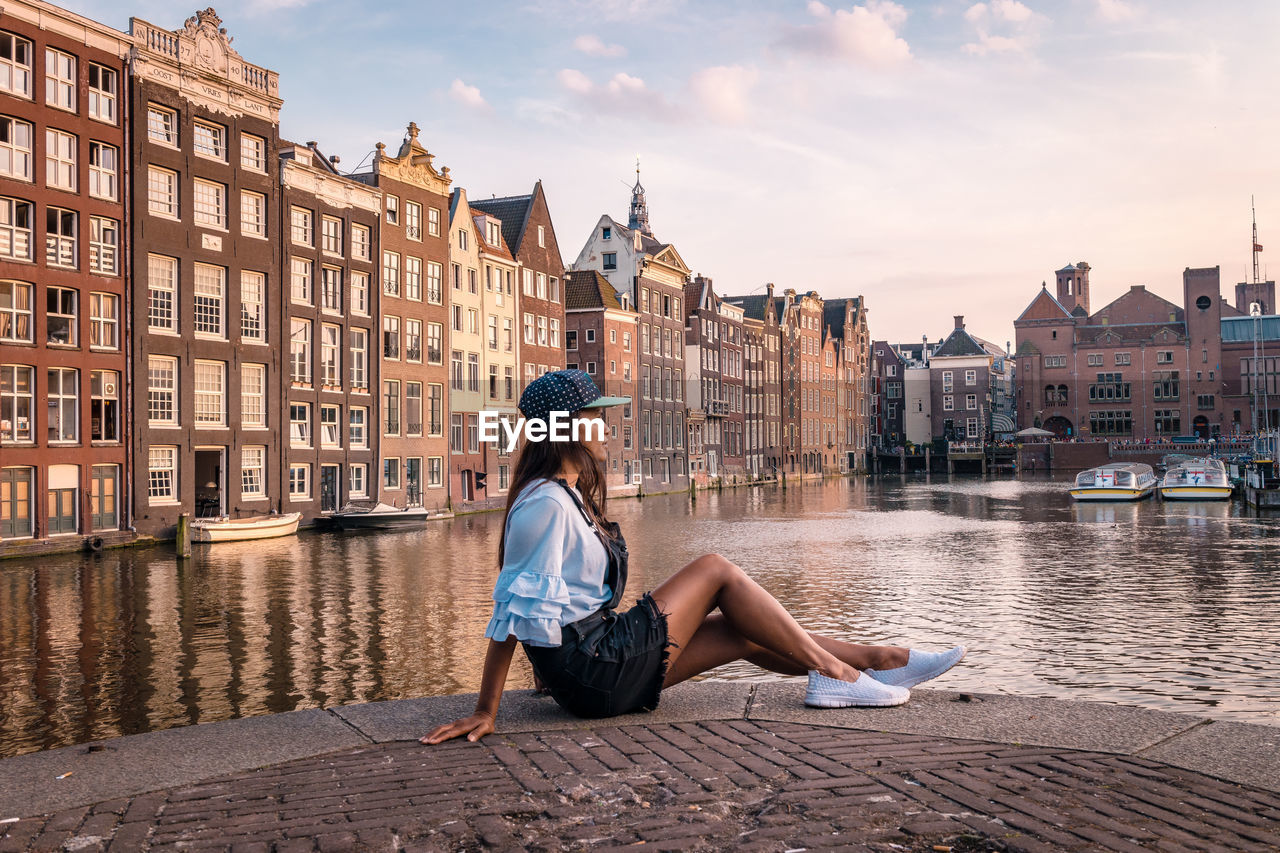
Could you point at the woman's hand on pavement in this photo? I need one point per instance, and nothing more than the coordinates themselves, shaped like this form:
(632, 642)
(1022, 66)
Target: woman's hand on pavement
(474, 727)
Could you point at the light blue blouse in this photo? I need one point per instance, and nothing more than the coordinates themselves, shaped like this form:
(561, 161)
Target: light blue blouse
(554, 568)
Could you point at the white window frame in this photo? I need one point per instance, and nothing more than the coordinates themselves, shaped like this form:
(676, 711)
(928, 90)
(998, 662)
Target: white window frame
(361, 242)
(209, 383)
(15, 238)
(162, 391)
(209, 140)
(358, 480)
(301, 281)
(299, 351)
(253, 396)
(162, 490)
(60, 400)
(253, 214)
(60, 160)
(105, 96)
(433, 221)
(413, 221)
(330, 425)
(104, 246)
(253, 472)
(359, 293)
(162, 193)
(435, 282)
(159, 289)
(104, 170)
(299, 427)
(209, 204)
(17, 311)
(59, 80)
(209, 283)
(331, 235)
(15, 74)
(300, 481)
(301, 226)
(62, 241)
(359, 339)
(330, 356)
(331, 289)
(253, 153)
(413, 278)
(358, 427)
(253, 307)
(104, 321)
(17, 151)
(162, 125)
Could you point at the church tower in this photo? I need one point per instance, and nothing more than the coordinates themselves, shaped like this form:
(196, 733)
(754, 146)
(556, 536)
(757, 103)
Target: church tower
(638, 219)
(1073, 287)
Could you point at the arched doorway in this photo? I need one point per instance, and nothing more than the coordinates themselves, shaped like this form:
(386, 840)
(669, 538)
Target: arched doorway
(1201, 427)
(1059, 426)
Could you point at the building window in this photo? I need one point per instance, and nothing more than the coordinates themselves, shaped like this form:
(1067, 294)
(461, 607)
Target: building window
(330, 356)
(162, 293)
(162, 390)
(209, 140)
(435, 409)
(253, 467)
(948, 403)
(1164, 356)
(970, 376)
(162, 125)
(62, 310)
(1055, 361)
(413, 408)
(104, 320)
(413, 278)
(60, 240)
(391, 337)
(358, 480)
(16, 310)
(300, 281)
(104, 163)
(610, 260)
(210, 393)
(435, 284)
(15, 144)
(413, 341)
(299, 482)
(103, 83)
(433, 221)
(571, 340)
(393, 210)
(300, 351)
(1205, 402)
(359, 359)
(64, 405)
(17, 403)
(330, 431)
(1111, 422)
(300, 228)
(391, 406)
(253, 325)
(15, 65)
(361, 244)
(209, 204)
(358, 428)
(1094, 359)
(435, 472)
(391, 273)
(59, 79)
(104, 246)
(360, 293)
(1168, 421)
(253, 396)
(253, 152)
(455, 371)
(391, 473)
(331, 289)
(210, 287)
(162, 192)
(413, 220)
(331, 235)
(162, 475)
(15, 228)
(60, 160)
(253, 214)
(971, 402)
(300, 424)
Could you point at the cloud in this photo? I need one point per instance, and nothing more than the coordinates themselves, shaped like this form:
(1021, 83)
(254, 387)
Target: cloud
(724, 91)
(866, 34)
(622, 94)
(593, 46)
(1002, 26)
(468, 96)
(1116, 11)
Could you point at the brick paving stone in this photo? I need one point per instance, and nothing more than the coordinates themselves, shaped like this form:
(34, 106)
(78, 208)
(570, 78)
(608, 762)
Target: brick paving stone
(737, 784)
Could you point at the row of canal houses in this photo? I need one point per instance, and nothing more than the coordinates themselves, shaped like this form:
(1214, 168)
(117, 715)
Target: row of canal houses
(200, 316)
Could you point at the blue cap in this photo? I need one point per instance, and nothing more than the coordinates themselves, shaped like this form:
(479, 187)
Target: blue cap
(564, 391)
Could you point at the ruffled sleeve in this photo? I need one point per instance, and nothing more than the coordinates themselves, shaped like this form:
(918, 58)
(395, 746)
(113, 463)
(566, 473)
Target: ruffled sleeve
(530, 593)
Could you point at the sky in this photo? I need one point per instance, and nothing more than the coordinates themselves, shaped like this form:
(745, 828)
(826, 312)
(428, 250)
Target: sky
(937, 158)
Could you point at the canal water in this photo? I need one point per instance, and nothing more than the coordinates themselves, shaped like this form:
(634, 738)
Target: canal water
(1162, 605)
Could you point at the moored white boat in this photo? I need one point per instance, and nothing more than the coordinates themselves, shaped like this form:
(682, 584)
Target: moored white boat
(240, 529)
(380, 516)
(1196, 480)
(1122, 481)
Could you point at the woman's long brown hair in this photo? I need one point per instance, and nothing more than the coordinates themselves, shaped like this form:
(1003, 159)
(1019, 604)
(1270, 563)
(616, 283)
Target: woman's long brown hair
(545, 460)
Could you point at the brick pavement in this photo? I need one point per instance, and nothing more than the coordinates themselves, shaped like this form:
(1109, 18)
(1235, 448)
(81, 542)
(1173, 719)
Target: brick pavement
(738, 784)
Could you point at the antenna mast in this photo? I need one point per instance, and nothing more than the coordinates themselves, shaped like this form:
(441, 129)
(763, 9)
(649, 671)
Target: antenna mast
(1257, 247)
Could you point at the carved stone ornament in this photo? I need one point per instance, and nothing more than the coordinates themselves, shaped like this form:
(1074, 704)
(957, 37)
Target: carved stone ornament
(212, 44)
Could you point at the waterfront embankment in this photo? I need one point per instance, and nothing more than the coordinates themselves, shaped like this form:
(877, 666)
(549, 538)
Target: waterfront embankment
(717, 764)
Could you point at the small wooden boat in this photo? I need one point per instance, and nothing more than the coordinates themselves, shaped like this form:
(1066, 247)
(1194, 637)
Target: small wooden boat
(379, 516)
(1122, 481)
(1196, 480)
(240, 529)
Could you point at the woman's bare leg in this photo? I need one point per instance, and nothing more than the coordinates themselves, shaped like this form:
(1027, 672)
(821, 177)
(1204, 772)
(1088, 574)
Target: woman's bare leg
(712, 582)
(716, 643)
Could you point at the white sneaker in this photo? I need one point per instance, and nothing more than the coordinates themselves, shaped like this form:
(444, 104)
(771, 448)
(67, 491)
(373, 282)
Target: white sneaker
(827, 692)
(921, 666)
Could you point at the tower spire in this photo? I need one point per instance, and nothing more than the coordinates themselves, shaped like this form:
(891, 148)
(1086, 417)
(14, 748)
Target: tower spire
(639, 215)
(1257, 247)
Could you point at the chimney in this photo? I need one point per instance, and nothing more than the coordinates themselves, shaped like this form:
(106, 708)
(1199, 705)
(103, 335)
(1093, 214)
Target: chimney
(959, 321)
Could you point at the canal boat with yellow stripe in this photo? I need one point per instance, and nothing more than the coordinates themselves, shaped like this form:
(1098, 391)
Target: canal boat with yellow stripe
(1123, 481)
(1196, 480)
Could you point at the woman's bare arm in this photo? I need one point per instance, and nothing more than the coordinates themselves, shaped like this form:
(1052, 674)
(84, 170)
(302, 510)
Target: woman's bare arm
(497, 663)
